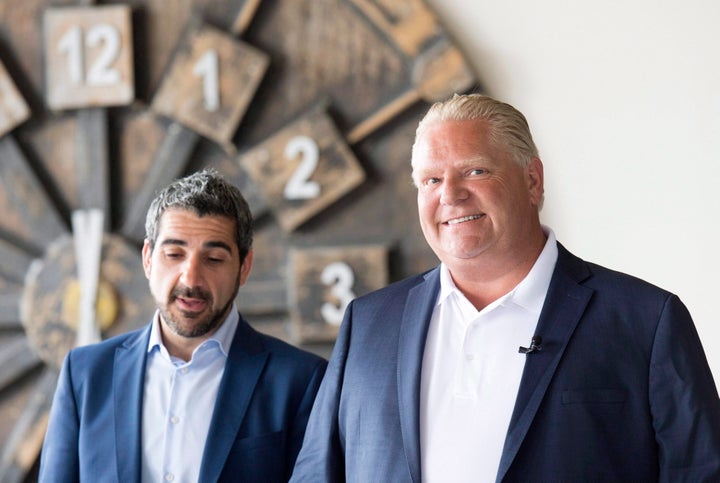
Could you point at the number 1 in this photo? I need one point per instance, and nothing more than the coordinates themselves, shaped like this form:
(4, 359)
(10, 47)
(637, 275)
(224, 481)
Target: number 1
(208, 67)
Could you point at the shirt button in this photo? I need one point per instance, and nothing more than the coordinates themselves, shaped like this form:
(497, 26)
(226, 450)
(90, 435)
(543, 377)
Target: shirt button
(174, 420)
(469, 357)
(169, 477)
(184, 370)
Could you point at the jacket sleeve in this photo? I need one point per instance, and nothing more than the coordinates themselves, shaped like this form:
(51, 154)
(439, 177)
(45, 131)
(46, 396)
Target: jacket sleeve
(322, 457)
(683, 400)
(303, 414)
(59, 460)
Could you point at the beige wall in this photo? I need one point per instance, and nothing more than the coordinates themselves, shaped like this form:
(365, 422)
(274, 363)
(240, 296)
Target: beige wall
(624, 101)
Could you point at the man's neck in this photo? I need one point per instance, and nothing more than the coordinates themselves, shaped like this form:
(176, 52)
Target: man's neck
(489, 277)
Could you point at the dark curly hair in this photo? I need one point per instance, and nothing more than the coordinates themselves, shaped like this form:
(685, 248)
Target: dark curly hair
(205, 192)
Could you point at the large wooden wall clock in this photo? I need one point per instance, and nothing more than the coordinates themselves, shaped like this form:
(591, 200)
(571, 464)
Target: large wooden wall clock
(308, 105)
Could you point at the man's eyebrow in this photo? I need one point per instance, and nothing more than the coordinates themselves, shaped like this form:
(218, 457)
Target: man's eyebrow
(173, 241)
(206, 245)
(218, 244)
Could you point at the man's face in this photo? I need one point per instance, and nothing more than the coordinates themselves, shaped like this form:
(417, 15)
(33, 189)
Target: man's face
(194, 271)
(473, 199)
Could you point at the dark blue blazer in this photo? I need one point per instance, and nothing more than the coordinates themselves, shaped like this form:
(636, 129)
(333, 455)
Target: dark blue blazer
(259, 419)
(621, 390)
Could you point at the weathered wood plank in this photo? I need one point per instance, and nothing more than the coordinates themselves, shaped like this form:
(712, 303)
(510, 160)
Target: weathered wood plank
(245, 16)
(88, 56)
(210, 82)
(16, 359)
(320, 49)
(170, 159)
(303, 168)
(10, 308)
(324, 280)
(28, 213)
(25, 441)
(438, 68)
(13, 108)
(92, 161)
(15, 261)
(410, 24)
(263, 297)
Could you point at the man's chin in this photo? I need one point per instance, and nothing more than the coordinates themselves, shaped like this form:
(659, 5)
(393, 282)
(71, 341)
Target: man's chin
(190, 315)
(187, 324)
(190, 331)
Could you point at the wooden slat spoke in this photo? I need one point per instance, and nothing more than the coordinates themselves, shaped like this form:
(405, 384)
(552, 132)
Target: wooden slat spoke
(25, 441)
(29, 215)
(244, 18)
(92, 161)
(10, 308)
(15, 262)
(170, 160)
(438, 67)
(263, 297)
(16, 360)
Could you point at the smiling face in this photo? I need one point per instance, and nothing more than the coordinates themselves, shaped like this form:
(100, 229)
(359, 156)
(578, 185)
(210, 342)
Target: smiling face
(194, 272)
(474, 201)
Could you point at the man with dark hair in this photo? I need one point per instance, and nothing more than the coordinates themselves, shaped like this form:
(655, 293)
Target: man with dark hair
(197, 395)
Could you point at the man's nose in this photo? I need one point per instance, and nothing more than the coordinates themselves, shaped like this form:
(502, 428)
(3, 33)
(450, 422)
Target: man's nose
(453, 191)
(192, 272)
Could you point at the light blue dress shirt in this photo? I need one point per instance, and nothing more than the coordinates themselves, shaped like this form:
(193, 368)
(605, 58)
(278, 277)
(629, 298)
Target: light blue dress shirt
(178, 402)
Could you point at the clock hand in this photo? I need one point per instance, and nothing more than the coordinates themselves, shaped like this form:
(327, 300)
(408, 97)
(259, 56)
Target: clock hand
(87, 234)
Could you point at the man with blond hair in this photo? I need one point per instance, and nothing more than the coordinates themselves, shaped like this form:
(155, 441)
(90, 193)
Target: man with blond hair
(513, 360)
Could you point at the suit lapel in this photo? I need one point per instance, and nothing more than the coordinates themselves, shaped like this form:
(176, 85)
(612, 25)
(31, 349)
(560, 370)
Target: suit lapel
(128, 381)
(564, 305)
(411, 347)
(245, 363)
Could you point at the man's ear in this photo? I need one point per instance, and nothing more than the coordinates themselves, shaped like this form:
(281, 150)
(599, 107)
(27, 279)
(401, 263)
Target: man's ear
(147, 258)
(536, 181)
(245, 268)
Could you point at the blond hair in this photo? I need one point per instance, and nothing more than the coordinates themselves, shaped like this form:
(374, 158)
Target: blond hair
(508, 126)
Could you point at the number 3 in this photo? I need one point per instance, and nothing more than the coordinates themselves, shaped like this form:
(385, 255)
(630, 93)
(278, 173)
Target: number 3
(342, 278)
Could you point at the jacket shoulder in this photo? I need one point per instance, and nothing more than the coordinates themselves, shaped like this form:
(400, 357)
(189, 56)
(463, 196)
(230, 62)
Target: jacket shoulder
(104, 351)
(281, 352)
(395, 289)
(604, 279)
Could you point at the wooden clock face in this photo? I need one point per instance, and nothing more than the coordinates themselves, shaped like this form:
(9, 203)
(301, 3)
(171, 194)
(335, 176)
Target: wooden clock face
(309, 106)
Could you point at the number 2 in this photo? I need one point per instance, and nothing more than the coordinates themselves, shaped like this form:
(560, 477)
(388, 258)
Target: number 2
(299, 186)
(342, 278)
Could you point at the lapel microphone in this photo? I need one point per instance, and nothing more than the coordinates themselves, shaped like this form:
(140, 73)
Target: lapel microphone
(535, 346)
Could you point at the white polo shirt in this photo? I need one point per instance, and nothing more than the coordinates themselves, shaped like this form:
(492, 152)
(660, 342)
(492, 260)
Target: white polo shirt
(471, 373)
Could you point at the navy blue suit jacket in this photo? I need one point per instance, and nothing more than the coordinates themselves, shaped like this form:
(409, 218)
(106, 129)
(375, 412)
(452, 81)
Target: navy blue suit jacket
(259, 419)
(621, 390)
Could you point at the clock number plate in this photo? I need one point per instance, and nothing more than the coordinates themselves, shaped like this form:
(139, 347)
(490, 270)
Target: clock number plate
(88, 57)
(13, 108)
(409, 23)
(324, 280)
(210, 82)
(303, 168)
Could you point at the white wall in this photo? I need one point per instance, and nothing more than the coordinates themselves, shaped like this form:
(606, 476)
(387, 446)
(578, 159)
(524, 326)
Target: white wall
(623, 98)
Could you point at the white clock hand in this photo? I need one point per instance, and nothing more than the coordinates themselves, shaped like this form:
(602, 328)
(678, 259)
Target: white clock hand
(88, 234)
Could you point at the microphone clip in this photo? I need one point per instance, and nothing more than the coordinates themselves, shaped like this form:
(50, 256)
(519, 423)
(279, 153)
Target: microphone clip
(535, 346)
